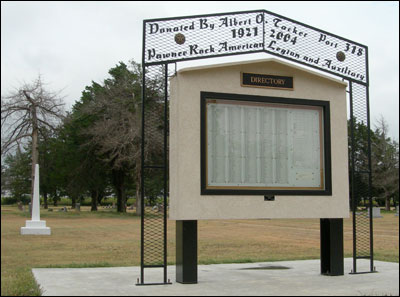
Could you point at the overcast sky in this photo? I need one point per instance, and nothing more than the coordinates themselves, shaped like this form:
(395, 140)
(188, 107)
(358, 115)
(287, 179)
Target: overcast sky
(72, 43)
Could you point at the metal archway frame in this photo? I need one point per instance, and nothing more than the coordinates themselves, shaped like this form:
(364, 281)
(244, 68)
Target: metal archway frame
(172, 40)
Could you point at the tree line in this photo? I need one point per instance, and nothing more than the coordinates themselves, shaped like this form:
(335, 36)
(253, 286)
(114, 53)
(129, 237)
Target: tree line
(384, 163)
(95, 149)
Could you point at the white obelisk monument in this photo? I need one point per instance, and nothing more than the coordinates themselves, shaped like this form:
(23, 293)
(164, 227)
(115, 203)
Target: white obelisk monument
(35, 226)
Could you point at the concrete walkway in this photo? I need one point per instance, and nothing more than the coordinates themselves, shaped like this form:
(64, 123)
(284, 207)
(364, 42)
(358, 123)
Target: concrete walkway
(296, 278)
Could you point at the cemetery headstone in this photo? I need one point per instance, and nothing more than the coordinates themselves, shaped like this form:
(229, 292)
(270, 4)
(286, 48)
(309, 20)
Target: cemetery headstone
(397, 211)
(77, 206)
(376, 212)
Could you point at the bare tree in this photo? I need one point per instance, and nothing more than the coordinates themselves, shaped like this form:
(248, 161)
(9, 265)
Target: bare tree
(24, 113)
(385, 162)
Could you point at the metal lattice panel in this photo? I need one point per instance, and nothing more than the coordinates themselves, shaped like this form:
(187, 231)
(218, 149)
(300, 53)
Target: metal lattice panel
(154, 169)
(196, 37)
(202, 37)
(362, 220)
(361, 174)
(360, 120)
(315, 48)
(360, 105)
(363, 236)
(153, 236)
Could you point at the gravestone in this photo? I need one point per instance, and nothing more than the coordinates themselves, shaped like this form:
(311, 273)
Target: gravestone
(376, 212)
(77, 206)
(397, 211)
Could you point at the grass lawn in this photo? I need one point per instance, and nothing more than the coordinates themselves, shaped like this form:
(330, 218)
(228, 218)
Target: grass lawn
(107, 238)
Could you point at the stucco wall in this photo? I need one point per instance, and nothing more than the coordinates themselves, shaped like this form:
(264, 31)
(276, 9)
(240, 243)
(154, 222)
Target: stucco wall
(186, 203)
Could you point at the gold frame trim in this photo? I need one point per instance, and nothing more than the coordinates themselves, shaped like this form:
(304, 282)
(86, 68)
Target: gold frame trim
(293, 106)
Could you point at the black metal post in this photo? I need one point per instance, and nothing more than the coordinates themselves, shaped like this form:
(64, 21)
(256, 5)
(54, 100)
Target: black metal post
(332, 256)
(142, 162)
(165, 167)
(186, 252)
(353, 196)
(371, 228)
